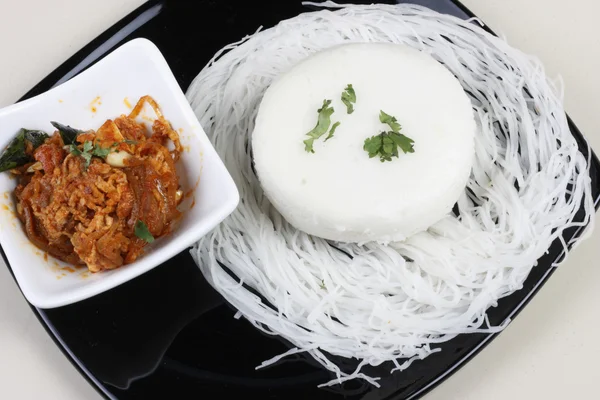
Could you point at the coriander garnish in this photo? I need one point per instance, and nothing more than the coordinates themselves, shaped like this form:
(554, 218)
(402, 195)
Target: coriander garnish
(141, 231)
(89, 150)
(323, 122)
(101, 151)
(332, 130)
(391, 121)
(85, 154)
(348, 98)
(386, 144)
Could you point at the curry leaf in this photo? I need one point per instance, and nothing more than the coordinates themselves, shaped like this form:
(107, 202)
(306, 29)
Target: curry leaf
(67, 133)
(35, 137)
(15, 154)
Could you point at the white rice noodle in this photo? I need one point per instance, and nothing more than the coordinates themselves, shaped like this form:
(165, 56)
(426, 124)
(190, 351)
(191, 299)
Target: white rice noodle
(393, 303)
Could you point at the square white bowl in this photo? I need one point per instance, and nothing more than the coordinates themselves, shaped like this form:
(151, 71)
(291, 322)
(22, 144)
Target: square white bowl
(105, 91)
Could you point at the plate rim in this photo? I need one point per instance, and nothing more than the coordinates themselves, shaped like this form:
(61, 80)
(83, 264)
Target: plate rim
(107, 41)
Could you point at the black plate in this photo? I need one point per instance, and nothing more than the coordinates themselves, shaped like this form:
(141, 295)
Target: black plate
(168, 334)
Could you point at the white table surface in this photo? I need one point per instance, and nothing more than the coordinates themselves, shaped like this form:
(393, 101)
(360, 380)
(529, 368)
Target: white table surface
(550, 351)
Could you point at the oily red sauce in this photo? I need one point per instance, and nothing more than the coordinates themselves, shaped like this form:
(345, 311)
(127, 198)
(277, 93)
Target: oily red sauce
(86, 213)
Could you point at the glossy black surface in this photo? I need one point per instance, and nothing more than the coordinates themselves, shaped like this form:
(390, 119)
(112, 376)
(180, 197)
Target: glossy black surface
(168, 334)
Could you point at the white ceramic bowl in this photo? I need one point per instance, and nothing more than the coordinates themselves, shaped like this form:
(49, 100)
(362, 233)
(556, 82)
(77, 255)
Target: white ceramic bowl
(107, 90)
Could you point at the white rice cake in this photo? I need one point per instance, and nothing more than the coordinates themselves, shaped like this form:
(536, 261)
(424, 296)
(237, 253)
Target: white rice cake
(338, 192)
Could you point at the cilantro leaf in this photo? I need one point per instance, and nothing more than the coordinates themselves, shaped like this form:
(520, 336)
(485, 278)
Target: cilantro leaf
(323, 122)
(332, 130)
(101, 152)
(86, 154)
(386, 144)
(348, 98)
(87, 146)
(88, 159)
(404, 142)
(141, 231)
(74, 150)
(373, 145)
(89, 150)
(308, 145)
(391, 121)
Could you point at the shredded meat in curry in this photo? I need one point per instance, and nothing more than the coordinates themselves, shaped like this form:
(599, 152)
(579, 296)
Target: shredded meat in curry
(85, 211)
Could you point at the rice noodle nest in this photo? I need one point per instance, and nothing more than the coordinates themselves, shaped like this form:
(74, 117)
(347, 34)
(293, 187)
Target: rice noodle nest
(394, 302)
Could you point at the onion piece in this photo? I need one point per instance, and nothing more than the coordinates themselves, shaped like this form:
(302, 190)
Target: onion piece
(117, 159)
(37, 166)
